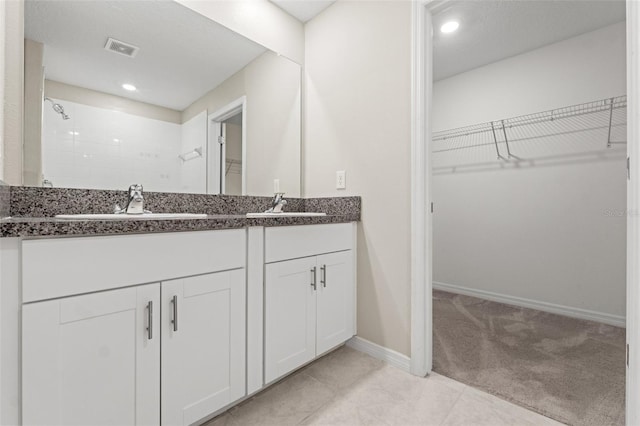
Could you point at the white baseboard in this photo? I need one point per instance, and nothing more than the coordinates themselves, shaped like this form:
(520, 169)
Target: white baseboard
(389, 356)
(616, 320)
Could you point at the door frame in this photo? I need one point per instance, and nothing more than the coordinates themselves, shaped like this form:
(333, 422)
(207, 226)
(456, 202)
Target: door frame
(633, 213)
(214, 122)
(421, 219)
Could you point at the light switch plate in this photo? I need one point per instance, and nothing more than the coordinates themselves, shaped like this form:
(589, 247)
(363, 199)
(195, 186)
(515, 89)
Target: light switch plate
(341, 179)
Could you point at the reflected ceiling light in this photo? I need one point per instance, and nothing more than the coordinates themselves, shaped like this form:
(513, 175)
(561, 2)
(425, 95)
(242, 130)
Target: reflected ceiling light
(129, 87)
(449, 27)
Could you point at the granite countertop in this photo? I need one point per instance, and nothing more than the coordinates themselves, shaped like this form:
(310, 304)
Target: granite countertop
(50, 227)
(29, 212)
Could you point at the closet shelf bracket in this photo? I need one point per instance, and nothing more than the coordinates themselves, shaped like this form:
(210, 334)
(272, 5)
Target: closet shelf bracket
(506, 140)
(611, 101)
(495, 141)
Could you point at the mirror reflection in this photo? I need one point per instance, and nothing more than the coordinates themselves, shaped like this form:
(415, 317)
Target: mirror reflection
(118, 92)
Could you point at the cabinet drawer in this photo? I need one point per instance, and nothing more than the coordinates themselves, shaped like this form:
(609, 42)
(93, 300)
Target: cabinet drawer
(66, 266)
(291, 242)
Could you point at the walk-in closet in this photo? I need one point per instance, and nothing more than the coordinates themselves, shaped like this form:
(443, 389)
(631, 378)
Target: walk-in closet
(529, 167)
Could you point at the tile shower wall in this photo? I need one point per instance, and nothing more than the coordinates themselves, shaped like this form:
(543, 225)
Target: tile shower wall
(105, 149)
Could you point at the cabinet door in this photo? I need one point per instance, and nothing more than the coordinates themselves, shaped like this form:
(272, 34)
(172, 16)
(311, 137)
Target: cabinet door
(203, 345)
(290, 316)
(335, 302)
(92, 360)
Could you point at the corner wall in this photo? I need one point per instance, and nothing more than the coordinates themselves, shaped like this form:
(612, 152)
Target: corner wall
(33, 94)
(258, 20)
(357, 118)
(81, 95)
(13, 90)
(2, 84)
(272, 88)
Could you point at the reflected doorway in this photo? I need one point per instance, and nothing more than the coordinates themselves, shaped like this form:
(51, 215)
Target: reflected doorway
(226, 172)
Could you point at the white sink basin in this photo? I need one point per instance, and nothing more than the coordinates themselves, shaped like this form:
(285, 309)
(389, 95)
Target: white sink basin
(286, 214)
(124, 216)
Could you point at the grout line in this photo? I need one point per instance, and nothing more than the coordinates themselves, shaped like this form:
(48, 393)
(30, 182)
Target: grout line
(464, 389)
(339, 392)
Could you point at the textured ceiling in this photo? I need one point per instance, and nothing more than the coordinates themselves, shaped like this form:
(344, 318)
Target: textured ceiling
(182, 54)
(303, 10)
(491, 30)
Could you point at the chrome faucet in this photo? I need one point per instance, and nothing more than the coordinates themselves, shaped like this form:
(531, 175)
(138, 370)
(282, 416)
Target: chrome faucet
(135, 203)
(278, 203)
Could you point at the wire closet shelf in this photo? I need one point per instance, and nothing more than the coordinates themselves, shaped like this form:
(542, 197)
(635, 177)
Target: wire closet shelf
(233, 166)
(607, 114)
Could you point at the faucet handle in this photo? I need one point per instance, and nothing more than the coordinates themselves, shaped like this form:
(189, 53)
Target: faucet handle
(277, 203)
(135, 201)
(136, 187)
(135, 192)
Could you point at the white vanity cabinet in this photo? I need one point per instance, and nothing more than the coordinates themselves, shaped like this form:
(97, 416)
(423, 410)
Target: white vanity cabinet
(309, 300)
(103, 357)
(172, 328)
(335, 300)
(203, 345)
(92, 359)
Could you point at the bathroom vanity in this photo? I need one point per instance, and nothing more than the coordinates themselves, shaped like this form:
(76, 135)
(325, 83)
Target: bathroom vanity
(167, 327)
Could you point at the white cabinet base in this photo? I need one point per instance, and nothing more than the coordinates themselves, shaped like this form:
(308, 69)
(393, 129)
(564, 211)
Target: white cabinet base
(290, 316)
(89, 360)
(309, 303)
(335, 300)
(203, 355)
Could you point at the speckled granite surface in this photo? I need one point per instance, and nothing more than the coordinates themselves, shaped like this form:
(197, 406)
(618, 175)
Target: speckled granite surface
(32, 210)
(5, 194)
(47, 202)
(334, 205)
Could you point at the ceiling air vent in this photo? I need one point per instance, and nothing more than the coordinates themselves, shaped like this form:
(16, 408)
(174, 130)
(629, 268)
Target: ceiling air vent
(121, 47)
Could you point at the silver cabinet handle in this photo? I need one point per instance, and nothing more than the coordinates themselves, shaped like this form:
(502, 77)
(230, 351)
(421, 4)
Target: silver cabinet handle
(313, 275)
(323, 276)
(174, 321)
(150, 320)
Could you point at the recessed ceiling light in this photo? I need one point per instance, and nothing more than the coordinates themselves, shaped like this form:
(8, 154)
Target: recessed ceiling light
(449, 27)
(129, 87)
(74, 133)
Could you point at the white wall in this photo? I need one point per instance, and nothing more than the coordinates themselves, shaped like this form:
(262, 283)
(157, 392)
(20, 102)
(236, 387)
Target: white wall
(272, 88)
(233, 152)
(258, 20)
(104, 149)
(540, 231)
(2, 84)
(193, 173)
(13, 90)
(357, 119)
(58, 90)
(33, 93)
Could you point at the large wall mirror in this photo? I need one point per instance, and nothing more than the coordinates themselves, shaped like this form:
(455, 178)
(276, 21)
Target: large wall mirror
(151, 92)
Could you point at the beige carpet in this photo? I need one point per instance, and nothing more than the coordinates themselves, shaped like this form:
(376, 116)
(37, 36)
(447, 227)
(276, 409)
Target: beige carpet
(570, 370)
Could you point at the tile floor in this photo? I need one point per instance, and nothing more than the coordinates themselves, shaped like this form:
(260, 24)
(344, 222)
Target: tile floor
(348, 387)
